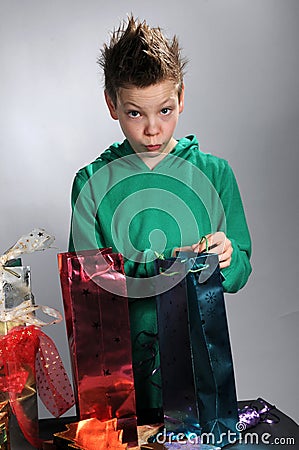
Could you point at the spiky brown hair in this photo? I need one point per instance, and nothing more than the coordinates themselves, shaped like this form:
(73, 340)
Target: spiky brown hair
(140, 56)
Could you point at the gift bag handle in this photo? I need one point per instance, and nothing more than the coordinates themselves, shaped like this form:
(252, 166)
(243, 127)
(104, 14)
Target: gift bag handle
(199, 269)
(101, 272)
(205, 239)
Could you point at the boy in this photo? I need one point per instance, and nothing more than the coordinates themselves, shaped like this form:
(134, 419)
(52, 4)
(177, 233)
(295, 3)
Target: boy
(152, 194)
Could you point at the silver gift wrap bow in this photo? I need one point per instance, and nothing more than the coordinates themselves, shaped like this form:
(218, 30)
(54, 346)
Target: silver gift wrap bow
(37, 240)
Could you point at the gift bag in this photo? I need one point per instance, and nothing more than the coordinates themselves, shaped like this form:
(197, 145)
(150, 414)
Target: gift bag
(198, 384)
(97, 319)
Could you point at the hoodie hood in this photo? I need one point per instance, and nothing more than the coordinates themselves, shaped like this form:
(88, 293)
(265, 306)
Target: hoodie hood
(118, 150)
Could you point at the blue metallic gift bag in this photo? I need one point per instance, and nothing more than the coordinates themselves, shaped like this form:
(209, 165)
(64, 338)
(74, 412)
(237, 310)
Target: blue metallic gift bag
(198, 385)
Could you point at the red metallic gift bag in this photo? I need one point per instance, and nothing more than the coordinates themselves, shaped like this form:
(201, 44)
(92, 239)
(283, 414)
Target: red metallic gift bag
(97, 320)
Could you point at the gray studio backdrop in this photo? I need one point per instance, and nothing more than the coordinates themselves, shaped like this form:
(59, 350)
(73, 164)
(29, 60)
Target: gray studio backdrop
(242, 100)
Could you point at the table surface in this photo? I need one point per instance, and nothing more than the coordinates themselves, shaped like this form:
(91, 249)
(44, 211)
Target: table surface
(284, 435)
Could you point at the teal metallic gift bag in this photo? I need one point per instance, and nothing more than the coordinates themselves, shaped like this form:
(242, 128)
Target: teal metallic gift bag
(198, 385)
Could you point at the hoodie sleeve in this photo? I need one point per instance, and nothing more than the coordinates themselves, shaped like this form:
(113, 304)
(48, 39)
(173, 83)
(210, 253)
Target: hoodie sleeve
(236, 275)
(85, 232)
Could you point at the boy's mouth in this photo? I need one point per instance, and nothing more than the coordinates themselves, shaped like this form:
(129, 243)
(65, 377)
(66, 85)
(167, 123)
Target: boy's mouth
(153, 148)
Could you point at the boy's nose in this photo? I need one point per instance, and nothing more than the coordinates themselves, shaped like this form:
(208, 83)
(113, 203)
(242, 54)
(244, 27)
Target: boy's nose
(151, 128)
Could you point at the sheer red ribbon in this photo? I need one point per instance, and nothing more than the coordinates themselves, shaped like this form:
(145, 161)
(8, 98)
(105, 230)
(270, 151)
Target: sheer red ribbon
(24, 351)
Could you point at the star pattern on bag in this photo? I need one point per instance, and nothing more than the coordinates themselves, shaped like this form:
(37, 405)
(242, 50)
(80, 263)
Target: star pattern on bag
(211, 297)
(96, 325)
(211, 312)
(85, 292)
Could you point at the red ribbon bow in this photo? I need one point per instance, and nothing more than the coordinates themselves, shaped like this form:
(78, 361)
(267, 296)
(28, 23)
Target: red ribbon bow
(25, 350)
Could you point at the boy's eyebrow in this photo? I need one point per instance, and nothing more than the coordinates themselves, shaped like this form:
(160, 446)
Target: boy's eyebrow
(131, 104)
(168, 100)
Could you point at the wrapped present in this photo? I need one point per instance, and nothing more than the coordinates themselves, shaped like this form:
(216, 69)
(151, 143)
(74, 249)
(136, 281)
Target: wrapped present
(257, 411)
(97, 318)
(4, 426)
(198, 385)
(15, 289)
(90, 434)
(28, 358)
(15, 292)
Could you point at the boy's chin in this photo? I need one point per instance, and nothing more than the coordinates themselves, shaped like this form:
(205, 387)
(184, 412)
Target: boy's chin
(149, 154)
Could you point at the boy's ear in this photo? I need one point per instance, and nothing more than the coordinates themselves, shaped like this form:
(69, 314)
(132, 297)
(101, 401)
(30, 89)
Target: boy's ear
(181, 99)
(111, 106)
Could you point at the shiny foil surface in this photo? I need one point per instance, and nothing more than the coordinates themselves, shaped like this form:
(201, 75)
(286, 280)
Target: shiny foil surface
(258, 411)
(29, 358)
(16, 289)
(91, 434)
(99, 337)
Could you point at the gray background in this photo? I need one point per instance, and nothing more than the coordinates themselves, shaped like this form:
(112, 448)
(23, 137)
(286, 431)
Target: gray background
(242, 91)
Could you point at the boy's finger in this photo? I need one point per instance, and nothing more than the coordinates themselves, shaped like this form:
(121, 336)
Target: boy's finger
(214, 245)
(224, 264)
(226, 255)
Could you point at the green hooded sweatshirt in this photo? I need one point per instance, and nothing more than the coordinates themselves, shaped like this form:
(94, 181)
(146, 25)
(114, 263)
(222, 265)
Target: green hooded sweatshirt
(119, 202)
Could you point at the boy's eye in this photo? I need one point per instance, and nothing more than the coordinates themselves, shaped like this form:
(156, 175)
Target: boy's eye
(133, 114)
(165, 111)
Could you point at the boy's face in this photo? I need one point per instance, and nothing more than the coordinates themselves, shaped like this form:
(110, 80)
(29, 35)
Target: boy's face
(148, 116)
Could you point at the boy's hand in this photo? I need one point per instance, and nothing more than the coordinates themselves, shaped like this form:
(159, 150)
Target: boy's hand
(217, 243)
